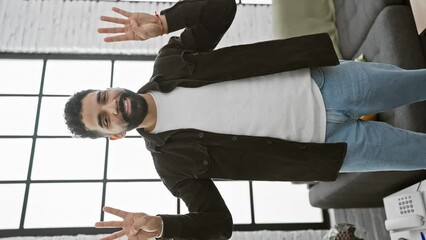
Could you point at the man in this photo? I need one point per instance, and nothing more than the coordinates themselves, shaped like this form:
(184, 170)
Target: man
(279, 110)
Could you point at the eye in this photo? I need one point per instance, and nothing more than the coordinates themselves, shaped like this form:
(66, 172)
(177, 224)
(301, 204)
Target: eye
(106, 121)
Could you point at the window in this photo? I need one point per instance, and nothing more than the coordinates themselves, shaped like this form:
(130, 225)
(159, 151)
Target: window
(43, 168)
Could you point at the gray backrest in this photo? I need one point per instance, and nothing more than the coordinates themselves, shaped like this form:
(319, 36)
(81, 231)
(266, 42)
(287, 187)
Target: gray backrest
(354, 19)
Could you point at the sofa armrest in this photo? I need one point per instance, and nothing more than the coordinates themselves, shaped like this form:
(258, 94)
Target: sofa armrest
(361, 190)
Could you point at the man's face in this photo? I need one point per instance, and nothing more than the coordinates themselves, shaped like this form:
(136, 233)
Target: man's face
(112, 111)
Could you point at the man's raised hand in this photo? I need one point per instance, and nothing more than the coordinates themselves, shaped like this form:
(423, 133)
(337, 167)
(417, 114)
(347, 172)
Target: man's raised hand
(135, 26)
(137, 226)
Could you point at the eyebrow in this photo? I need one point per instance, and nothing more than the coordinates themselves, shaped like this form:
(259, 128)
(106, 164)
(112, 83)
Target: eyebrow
(98, 97)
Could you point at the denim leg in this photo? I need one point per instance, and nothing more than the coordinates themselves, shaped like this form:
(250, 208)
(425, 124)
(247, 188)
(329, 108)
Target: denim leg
(353, 89)
(358, 88)
(378, 146)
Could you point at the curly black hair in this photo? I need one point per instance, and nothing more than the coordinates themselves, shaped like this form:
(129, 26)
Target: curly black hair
(73, 117)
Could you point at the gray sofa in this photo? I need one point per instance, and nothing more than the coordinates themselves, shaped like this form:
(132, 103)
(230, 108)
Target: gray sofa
(383, 31)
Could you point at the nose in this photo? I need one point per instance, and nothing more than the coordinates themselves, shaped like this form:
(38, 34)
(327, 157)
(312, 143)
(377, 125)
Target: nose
(112, 107)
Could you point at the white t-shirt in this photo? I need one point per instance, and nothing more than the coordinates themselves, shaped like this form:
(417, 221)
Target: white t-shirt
(286, 105)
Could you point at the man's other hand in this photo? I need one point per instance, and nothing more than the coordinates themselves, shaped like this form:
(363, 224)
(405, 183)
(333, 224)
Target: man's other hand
(137, 226)
(136, 26)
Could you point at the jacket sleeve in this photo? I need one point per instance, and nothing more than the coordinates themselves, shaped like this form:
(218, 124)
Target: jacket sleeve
(204, 21)
(208, 216)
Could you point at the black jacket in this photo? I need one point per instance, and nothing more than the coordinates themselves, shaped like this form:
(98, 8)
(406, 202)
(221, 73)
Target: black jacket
(187, 159)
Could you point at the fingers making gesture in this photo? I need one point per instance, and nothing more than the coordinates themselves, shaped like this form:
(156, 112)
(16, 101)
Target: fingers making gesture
(136, 226)
(135, 26)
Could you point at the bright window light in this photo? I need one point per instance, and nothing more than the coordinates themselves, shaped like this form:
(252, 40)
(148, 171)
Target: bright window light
(52, 117)
(52, 205)
(15, 157)
(130, 152)
(68, 158)
(149, 197)
(237, 197)
(132, 74)
(20, 76)
(18, 115)
(283, 202)
(12, 197)
(71, 76)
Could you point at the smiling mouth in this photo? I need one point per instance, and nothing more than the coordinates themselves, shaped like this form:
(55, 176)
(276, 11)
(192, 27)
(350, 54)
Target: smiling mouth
(127, 106)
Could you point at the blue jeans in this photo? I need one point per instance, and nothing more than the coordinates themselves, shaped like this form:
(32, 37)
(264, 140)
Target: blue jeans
(353, 89)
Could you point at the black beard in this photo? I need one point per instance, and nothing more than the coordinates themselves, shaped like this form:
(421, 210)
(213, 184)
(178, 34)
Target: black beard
(139, 109)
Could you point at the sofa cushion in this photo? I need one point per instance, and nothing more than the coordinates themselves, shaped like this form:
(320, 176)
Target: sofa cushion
(393, 39)
(354, 19)
(411, 117)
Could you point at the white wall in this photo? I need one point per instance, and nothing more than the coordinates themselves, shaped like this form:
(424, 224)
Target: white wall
(55, 26)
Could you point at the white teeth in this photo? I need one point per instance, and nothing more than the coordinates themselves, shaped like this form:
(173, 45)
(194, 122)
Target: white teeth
(127, 104)
(125, 107)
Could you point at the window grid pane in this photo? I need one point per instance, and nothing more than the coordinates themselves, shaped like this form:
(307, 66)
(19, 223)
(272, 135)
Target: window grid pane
(70, 76)
(15, 156)
(22, 76)
(68, 158)
(283, 202)
(52, 122)
(19, 115)
(12, 196)
(130, 152)
(53, 205)
(149, 197)
(237, 197)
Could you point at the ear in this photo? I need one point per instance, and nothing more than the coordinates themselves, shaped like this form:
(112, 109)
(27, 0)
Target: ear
(117, 136)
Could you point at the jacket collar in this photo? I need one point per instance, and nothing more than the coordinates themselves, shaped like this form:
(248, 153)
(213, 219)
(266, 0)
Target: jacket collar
(154, 140)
